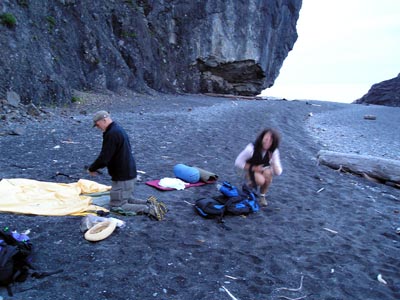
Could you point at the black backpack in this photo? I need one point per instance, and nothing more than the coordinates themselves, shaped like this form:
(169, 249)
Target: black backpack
(243, 202)
(16, 255)
(209, 207)
(15, 258)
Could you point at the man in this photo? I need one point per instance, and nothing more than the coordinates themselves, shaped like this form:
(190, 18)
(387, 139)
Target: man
(116, 155)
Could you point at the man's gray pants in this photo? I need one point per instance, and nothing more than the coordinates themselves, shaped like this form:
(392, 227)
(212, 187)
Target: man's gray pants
(122, 193)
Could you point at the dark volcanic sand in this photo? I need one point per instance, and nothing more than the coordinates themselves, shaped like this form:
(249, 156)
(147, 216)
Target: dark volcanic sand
(186, 257)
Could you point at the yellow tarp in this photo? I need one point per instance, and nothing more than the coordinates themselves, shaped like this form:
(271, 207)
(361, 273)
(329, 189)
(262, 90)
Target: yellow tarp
(27, 196)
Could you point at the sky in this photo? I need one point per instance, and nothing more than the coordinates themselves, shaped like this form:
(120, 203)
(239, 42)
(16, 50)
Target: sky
(343, 48)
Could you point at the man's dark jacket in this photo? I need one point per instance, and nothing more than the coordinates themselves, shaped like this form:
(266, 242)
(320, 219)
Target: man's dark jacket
(116, 154)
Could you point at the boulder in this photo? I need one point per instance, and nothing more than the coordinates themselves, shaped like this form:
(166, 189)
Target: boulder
(13, 98)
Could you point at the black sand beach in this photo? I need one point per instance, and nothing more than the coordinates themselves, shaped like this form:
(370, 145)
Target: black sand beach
(326, 234)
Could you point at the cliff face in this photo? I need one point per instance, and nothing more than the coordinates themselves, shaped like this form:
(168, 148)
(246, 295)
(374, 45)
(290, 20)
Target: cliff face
(51, 47)
(384, 93)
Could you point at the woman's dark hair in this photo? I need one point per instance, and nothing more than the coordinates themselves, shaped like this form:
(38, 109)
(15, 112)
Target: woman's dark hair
(276, 139)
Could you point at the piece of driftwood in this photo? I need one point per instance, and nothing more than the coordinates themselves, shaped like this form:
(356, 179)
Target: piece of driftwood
(379, 168)
(370, 117)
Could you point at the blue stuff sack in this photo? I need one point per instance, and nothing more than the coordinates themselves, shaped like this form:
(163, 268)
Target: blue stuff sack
(228, 189)
(186, 173)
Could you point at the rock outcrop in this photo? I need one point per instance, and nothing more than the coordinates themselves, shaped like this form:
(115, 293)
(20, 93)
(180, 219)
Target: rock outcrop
(384, 93)
(50, 48)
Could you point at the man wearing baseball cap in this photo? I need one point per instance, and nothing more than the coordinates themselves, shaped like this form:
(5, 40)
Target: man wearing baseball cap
(116, 155)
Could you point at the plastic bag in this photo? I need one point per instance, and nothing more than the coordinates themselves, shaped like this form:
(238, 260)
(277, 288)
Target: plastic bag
(90, 220)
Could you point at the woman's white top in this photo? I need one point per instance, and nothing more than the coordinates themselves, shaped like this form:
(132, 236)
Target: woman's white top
(247, 153)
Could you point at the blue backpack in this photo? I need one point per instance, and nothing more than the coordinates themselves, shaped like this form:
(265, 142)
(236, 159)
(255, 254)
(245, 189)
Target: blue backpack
(238, 203)
(231, 201)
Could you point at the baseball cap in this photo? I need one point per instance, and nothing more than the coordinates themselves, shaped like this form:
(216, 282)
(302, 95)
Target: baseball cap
(100, 115)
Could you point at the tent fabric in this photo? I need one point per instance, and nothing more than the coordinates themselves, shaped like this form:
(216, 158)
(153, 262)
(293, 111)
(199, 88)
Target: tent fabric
(27, 196)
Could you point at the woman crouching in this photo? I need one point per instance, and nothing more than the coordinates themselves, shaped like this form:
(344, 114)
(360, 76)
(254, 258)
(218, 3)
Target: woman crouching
(261, 162)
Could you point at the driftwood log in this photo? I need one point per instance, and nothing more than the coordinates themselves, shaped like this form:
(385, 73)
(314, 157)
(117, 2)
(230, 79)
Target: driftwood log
(381, 169)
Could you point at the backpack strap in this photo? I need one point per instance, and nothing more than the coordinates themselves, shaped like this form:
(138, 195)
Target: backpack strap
(221, 216)
(40, 275)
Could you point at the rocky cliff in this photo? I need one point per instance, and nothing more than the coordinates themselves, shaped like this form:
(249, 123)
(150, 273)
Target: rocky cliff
(384, 93)
(49, 48)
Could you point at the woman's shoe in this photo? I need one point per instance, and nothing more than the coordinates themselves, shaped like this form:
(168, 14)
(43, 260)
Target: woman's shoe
(262, 200)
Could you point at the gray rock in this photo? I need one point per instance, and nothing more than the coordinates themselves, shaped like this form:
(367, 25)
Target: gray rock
(13, 98)
(17, 131)
(218, 46)
(32, 110)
